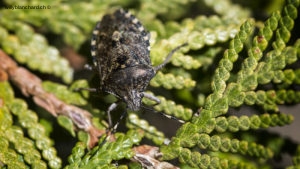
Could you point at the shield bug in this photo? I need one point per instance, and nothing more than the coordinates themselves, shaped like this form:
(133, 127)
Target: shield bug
(121, 52)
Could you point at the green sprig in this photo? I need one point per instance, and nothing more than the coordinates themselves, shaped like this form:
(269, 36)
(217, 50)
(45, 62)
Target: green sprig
(104, 154)
(171, 108)
(256, 69)
(151, 132)
(28, 148)
(170, 81)
(32, 49)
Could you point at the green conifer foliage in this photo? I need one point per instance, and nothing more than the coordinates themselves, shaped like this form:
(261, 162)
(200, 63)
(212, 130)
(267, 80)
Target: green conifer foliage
(236, 59)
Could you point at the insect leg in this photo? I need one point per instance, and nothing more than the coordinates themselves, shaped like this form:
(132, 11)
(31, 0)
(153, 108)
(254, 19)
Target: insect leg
(114, 128)
(151, 97)
(111, 108)
(88, 89)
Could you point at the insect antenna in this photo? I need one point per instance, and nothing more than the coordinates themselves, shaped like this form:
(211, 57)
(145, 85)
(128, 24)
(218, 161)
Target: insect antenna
(112, 129)
(150, 109)
(169, 57)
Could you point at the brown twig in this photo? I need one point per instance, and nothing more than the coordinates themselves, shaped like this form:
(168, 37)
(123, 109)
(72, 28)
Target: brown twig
(148, 155)
(30, 85)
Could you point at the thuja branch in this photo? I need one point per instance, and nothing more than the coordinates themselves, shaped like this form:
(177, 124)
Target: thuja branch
(30, 85)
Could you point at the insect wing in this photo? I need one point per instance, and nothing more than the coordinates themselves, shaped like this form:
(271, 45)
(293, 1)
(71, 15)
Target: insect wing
(119, 41)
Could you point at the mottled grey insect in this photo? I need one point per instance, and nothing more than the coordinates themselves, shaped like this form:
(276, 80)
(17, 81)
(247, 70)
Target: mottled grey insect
(121, 52)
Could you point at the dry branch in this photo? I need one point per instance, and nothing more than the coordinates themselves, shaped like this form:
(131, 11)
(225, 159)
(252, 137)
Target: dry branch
(30, 85)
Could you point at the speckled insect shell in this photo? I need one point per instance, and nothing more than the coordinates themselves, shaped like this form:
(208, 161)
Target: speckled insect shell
(120, 48)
